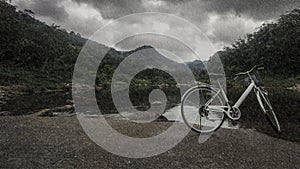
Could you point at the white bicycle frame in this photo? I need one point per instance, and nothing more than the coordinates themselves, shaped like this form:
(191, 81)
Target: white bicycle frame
(232, 111)
(227, 108)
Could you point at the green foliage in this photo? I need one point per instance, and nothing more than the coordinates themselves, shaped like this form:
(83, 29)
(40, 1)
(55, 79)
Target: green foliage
(275, 45)
(286, 106)
(35, 54)
(28, 45)
(28, 41)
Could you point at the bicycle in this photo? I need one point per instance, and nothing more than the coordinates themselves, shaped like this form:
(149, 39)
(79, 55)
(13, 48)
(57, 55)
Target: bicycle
(204, 108)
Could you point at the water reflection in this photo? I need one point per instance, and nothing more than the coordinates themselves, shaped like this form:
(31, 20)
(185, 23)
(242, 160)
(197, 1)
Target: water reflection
(174, 114)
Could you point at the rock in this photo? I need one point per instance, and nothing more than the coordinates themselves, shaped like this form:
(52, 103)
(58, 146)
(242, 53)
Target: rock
(71, 102)
(6, 113)
(63, 108)
(68, 86)
(64, 114)
(45, 112)
(57, 111)
(162, 119)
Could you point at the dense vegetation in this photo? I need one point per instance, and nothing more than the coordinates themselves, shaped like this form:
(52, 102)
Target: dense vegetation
(275, 45)
(33, 52)
(37, 57)
(40, 56)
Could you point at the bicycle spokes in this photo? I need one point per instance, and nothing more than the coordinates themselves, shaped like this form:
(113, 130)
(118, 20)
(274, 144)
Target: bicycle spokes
(197, 114)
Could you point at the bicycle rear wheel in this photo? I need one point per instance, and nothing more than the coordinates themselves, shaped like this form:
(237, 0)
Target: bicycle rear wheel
(195, 112)
(266, 106)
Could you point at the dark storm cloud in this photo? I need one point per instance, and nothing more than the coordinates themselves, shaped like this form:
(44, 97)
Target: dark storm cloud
(256, 9)
(50, 9)
(45, 8)
(112, 9)
(223, 21)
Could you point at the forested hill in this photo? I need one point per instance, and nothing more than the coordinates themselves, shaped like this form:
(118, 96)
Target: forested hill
(31, 51)
(275, 45)
(28, 41)
(37, 55)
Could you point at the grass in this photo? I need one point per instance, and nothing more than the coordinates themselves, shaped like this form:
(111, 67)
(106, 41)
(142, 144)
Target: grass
(31, 78)
(286, 104)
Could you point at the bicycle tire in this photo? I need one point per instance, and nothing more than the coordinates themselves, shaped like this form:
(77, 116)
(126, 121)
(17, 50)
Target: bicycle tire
(268, 110)
(184, 113)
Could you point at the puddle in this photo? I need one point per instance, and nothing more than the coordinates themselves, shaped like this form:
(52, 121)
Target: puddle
(174, 114)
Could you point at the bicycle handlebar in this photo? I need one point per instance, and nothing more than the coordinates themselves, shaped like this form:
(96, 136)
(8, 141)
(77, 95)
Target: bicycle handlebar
(256, 67)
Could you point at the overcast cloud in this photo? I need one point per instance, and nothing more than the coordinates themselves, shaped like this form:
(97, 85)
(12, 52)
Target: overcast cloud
(223, 21)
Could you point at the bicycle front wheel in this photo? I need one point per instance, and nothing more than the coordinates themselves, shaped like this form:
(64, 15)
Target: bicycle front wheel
(267, 108)
(195, 111)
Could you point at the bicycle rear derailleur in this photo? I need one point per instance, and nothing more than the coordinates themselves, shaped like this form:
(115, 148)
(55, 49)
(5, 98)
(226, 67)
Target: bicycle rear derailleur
(203, 111)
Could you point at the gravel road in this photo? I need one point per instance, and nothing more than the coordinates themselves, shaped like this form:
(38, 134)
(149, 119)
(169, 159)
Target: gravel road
(42, 142)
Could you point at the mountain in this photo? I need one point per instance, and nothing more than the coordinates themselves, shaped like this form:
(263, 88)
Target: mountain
(33, 53)
(197, 65)
(151, 67)
(37, 55)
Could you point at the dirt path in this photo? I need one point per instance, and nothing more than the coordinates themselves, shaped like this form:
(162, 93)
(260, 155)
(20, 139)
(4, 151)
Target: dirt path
(39, 142)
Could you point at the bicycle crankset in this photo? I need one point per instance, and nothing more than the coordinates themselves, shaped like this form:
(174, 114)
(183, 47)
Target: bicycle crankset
(235, 113)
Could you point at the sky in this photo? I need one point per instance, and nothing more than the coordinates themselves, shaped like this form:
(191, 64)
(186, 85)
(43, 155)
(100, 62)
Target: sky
(222, 21)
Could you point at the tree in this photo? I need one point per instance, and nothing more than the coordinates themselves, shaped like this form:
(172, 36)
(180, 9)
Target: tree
(276, 45)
